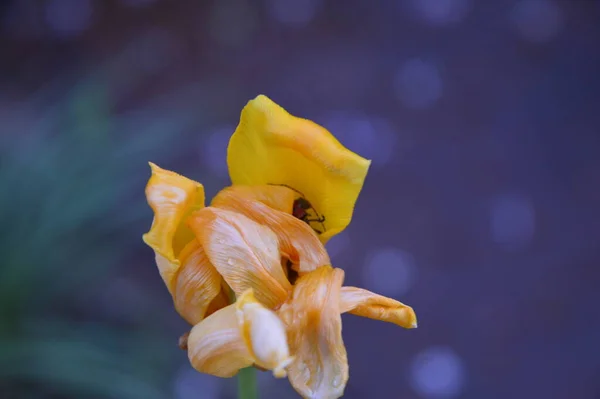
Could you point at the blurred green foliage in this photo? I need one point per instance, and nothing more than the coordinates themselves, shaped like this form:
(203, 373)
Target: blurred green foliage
(71, 209)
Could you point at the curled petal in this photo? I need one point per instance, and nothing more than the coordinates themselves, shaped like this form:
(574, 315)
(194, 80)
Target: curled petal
(270, 146)
(221, 300)
(197, 284)
(277, 197)
(297, 240)
(172, 197)
(238, 336)
(216, 347)
(264, 334)
(364, 303)
(320, 368)
(245, 253)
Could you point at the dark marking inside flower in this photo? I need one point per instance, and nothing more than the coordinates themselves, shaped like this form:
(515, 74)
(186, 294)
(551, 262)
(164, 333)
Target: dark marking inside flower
(292, 275)
(303, 210)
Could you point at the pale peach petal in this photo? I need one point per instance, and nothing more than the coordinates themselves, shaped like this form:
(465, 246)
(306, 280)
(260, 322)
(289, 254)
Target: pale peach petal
(197, 284)
(320, 368)
(365, 303)
(216, 347)
(238, 336)
(264, 334)
(172, 197)
(297, 240)
(245, 253)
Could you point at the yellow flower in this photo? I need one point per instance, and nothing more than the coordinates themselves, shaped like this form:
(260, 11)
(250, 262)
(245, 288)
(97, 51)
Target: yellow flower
(248, 254)
(275, 159)
(294, 187)
(270, 146)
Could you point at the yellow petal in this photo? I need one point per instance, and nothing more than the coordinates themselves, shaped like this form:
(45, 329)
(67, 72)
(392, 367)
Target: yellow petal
(216, 347)
(172, 197)
(270, 146)
(197, 284)
(245, 253)
(364, 303)
(297, 241)
(264, 334)
(320, 368)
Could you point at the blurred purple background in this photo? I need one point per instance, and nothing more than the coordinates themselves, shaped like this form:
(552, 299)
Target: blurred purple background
(480, 209)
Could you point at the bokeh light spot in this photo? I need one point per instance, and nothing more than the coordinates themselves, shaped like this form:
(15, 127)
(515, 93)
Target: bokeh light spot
(512, 221)
(537, 21)
(371, 137)
(437, 373)
(389, 271)
(68, 17)
(418, 84)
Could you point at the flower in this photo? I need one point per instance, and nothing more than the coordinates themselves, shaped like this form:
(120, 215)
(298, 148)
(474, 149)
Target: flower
(294, 187)
(248, 254)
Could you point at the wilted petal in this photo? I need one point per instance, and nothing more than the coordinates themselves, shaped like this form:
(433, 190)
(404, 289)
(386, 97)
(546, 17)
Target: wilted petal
(216, 346)
(172, 197)
(264, 334)
(320, 368)
(297, 240)
(238, 336)
(270, 146)
(244, 252)
(274, 196)
(197, 284)
(221, 300)
(365, 303)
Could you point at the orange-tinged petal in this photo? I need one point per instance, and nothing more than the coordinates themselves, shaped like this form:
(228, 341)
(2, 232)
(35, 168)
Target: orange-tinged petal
(320, 368)
(172, 197)
(264, 334)
(221, 300)
(197, 284)
(365, 303)
(276, 197)
(297, 240)
(238, 336)
(270, 146)
(216, 347)
(244, 252)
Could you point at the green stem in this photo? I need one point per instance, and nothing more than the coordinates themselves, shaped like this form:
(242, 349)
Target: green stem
(247, 383)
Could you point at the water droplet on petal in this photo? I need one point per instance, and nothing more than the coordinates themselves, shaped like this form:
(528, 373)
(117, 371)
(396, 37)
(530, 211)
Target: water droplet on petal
(230, 262)
(221, 241)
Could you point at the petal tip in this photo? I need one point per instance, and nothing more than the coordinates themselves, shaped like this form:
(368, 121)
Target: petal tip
(280, 370)
(261, 100)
